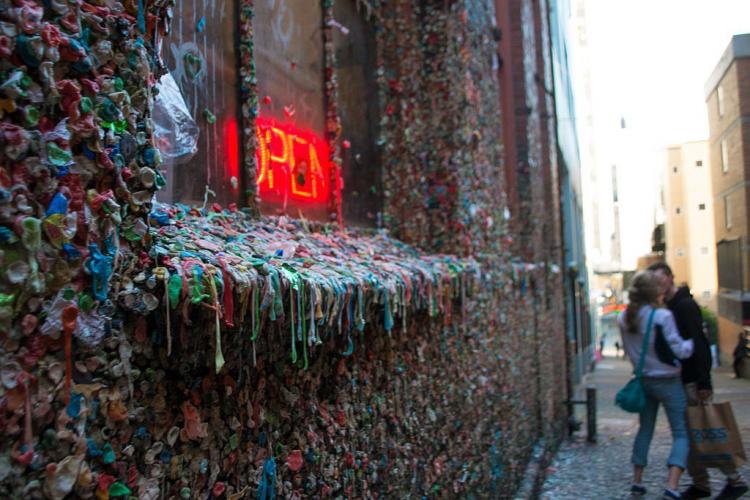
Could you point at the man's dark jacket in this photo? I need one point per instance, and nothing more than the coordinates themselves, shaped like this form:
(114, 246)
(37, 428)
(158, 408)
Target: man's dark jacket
(687, 315)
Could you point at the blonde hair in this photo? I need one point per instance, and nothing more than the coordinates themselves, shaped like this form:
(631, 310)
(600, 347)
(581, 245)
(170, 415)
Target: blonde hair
(643, 290)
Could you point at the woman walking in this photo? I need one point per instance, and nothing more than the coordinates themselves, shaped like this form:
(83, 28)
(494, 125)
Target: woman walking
(661, 380)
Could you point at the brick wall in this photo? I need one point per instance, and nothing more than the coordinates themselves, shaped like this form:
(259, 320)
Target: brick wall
(531, 164)
(732, 127)
(529, 338)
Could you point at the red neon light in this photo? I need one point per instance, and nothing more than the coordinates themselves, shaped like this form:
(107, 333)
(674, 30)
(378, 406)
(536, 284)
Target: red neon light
(292, 164)
(232, 151)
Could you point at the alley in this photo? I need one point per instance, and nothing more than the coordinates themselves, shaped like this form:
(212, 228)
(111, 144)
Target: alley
(583, 471)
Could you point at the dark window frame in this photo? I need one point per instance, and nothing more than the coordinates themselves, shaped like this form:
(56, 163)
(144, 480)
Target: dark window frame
(335, 139)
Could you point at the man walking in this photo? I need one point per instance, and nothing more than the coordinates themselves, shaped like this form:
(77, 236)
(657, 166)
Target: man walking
(696, 376)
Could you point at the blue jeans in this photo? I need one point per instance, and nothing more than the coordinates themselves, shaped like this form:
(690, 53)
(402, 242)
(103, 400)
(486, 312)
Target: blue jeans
(670, 393)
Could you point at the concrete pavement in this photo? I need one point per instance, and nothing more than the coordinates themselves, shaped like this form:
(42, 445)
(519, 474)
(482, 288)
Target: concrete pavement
(603, 471)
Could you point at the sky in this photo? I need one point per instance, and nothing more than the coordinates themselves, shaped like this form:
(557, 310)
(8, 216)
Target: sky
(648, 61)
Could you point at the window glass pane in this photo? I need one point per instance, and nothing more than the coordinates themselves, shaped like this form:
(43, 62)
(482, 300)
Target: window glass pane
(359, 112)
(288, 40)
(727, 213)
(294, 173)
(201, 55)
(729, 260)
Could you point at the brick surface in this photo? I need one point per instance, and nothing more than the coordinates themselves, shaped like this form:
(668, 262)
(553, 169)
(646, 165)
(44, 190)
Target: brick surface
(731, 127)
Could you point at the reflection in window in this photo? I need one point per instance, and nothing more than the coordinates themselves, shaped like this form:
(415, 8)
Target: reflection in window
(359, 112)
(201, 55)
(289, 59)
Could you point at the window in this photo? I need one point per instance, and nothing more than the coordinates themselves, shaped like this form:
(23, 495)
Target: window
(674, 169)
(727, 213)
(680, 252)
(720, 100)
(702, 206)
(729, 264)
(294, 169)
(698, 163)
(677, 210)
(294, 172)
(358, 108)
(706, 294)
(704, 250)
(724, 157)
(203, 62)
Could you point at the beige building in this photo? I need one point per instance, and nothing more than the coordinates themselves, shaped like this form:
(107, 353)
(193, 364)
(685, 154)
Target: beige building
(728, 100)
(689, 224)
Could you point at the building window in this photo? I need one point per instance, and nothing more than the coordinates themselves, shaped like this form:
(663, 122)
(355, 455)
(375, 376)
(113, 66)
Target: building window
(294, 171)
(677, 210)
(680, 252)
(699, 163)
(204, 65)
(358, 108)
(729, 264)
(720, 100)
(704, 250)
(724, 157)
(727, 213)
(674, 169)
(701, 206)
(706, 294)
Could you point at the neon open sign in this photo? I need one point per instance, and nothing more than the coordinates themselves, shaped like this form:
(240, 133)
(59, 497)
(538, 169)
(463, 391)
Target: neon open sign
(292, 164)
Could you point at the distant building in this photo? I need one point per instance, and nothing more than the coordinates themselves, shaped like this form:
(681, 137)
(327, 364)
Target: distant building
(657, 249)
(728, 99)
(689, 207)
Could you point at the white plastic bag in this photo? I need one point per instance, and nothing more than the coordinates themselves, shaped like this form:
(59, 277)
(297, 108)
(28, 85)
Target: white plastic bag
(175, 130)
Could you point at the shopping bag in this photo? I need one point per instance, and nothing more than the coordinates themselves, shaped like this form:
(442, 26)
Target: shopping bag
(715, 440)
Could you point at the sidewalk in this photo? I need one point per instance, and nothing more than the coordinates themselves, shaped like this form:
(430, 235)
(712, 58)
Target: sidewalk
(603, 470)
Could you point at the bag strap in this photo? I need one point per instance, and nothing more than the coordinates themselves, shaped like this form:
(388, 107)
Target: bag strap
(644, 348)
